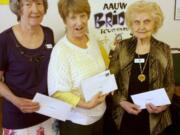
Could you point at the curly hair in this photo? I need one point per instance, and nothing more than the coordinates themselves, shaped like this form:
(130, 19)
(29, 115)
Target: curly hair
(145, 7)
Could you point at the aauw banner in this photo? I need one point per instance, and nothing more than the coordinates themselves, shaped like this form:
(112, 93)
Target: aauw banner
(108, 19)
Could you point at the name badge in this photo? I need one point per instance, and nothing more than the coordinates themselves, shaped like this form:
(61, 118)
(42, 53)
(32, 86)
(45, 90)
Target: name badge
(139, 60)
(49, 46)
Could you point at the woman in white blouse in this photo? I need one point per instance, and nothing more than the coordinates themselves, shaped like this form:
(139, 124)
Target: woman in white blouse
(74, 58)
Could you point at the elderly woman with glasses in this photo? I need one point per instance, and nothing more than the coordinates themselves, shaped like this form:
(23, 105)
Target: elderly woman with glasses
(142, 63)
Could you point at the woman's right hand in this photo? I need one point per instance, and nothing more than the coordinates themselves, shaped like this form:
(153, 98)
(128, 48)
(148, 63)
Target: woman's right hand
(26, 105)
(130, 107)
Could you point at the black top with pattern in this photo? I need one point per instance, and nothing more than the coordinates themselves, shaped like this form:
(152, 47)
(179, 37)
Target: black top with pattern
(25, 73)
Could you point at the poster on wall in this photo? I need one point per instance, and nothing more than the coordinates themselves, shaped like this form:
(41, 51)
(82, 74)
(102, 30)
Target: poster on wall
(177, 10)
(108, 20)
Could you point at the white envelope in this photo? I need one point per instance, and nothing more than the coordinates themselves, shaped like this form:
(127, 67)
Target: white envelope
(52, 107)
(157, 97)
(103, 82)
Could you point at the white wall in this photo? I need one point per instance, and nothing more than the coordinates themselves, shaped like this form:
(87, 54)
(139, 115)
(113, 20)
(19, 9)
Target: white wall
(169, 33)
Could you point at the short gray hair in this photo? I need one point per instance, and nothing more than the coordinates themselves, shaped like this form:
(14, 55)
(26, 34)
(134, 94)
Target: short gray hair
(15, 7)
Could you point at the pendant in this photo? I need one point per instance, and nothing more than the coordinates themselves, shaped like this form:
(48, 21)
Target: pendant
(141, 77)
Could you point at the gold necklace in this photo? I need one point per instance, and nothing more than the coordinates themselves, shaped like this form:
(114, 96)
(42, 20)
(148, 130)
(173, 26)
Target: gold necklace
(141, 76)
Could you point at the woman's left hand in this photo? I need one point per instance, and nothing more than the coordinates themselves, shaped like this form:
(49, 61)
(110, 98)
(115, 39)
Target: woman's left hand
(26, 105)
(155, 109)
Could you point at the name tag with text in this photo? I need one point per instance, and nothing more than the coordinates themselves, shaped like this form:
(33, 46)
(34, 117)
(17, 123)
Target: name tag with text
(139, 60)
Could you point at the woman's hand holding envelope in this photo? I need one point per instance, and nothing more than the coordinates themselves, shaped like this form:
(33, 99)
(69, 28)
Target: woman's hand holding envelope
(96, 100)
(155, 109)
(130, 107)
(26, 105)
